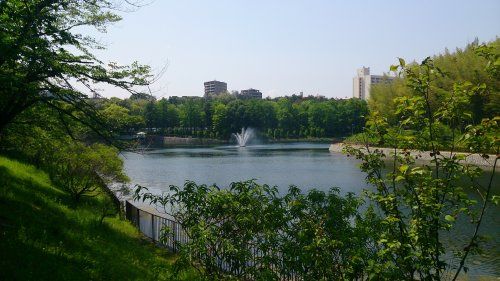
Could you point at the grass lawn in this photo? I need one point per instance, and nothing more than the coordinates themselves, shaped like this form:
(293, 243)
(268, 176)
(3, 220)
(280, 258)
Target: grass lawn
(43, 236)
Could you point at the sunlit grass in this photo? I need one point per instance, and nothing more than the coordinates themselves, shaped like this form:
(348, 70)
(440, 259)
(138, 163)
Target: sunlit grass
(43, 235)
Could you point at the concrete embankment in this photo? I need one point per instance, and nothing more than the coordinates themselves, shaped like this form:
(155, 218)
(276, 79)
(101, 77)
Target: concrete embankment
(474, 159)
(190, 141)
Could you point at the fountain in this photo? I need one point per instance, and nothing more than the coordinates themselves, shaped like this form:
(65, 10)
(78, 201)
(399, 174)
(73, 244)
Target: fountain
(244, 136)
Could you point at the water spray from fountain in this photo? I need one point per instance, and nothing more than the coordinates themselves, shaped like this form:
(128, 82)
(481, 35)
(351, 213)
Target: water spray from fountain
(244, 136)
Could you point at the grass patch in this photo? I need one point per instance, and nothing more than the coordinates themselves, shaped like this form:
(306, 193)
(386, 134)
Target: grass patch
(43, 236)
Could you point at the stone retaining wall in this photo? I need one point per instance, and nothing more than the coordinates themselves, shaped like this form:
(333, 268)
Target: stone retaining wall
(474, 159)
(189, 141)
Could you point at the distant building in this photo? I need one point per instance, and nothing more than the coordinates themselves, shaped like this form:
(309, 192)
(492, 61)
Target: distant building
(363, 81)
(215, 87)
(250, 94)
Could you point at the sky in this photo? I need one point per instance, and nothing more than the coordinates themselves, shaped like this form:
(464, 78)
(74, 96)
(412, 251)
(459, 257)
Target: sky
(286, 47)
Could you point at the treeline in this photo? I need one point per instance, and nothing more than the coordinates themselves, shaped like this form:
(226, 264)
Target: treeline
(456, 67)
(285, 117)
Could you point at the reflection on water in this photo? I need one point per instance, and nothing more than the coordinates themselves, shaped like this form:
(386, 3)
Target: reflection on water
(303, 164)
(231, 151)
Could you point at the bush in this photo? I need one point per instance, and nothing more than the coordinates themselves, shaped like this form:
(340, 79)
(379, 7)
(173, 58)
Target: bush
(418, 203)
(247, 231)
(82, 170)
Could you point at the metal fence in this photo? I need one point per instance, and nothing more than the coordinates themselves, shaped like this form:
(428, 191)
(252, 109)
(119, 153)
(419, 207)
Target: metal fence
(151, 225)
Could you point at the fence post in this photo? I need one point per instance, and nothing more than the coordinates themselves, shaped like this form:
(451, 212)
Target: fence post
(138, 219)
(174, 237)
(153, 227)
(126, 210)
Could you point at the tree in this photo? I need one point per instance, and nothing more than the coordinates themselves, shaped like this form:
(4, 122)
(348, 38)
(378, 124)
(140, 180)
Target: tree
(151, 115)
(420, 202)
(318, 117)
(459, 66)
(173, 115)
(236, 113)
(35, 135)
(191, 114)
(351, 116)
(287, 115)
(46, 61)
(276, 117)
(119, 118)
(207, 112)
(382, 98)
(465, 65)
(38, 135)
(302, 117)
(220, 121)
(82, 170)
(162, 109)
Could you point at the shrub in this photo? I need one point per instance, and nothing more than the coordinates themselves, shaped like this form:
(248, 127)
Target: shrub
(81, 170)
(247, 231)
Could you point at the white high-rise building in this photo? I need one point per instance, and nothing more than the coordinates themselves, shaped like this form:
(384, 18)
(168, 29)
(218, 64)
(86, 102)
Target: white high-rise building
(363, 81)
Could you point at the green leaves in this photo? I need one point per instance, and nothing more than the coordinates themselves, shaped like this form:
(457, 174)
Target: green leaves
(258, 234)
(420, 201)
(495, 199)
(402, 62)
(403, 168)
(47, 63)
(449, 218)
(82, 170)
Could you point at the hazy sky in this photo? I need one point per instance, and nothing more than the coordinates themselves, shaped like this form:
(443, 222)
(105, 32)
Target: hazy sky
(285, 47)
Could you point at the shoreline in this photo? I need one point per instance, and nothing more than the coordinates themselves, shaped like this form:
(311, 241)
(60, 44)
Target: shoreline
(425, 156)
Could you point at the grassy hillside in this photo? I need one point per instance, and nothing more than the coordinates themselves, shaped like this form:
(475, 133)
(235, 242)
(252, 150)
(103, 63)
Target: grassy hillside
(43, 236)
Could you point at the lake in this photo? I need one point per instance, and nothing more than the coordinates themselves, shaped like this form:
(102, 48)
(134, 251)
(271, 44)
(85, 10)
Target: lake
(306, 165)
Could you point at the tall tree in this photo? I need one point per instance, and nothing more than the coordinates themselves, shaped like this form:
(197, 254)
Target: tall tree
(287, 115)
(44, 60)
(220, 121)
(151, 115)
(191, 114)
(459, 66)
(162, 108)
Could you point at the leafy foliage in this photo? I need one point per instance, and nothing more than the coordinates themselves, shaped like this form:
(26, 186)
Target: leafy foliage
(461, 66)
(419, 202)
(82, 170)
(218, 117)
(46, 61)
(74, 161)
(248, 231)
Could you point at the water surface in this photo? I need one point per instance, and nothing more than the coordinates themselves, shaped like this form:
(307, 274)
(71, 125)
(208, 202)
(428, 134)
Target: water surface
(302, 164)
(306, 165)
